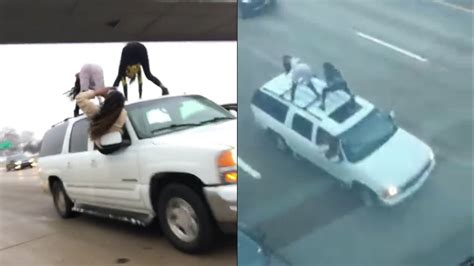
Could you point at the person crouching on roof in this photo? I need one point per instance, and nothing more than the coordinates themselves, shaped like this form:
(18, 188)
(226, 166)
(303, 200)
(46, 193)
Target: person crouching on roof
(108, 117)
(90, 77)
(334, 81)
(134, 57)
(301, 74)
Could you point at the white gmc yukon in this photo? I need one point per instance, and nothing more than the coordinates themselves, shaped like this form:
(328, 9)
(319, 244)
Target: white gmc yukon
(177, 164)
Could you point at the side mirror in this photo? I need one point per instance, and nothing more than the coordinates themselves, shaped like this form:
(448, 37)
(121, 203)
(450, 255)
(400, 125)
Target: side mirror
(392, 114)
(335, 159)
(113, 138)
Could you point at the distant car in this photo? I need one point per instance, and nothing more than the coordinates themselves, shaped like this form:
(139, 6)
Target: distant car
(253, 252)
(19, 161)
(351, 140)
(249, 7)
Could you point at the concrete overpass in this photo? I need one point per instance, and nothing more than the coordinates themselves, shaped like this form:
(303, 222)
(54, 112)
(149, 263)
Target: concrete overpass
(65, 21)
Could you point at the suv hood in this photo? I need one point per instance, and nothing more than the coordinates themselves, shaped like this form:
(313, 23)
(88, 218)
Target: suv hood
(223, 133)
(401, 158)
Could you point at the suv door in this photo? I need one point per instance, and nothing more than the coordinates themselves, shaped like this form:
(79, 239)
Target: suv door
(78, 175)
(300, 136)
(329, 146)
(116, 177)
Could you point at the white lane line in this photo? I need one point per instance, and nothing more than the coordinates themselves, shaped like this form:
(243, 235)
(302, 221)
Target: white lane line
(393, 47)
(247, 168)
(460, 8)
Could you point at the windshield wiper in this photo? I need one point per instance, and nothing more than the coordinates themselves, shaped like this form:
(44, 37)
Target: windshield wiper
(173, 126)
(215, 119)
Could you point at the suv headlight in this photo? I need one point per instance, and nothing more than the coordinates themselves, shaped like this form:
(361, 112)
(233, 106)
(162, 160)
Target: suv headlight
(227, 163)
(391, 191)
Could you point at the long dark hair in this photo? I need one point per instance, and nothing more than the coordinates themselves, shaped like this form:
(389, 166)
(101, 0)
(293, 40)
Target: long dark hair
(108, 114)
(74, 91)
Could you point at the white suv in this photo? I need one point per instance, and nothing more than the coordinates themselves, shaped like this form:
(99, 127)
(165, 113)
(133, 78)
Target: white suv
(350, 139)
(177, 164)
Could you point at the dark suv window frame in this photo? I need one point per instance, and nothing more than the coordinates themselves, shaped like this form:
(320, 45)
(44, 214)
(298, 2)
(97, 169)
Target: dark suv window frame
(299, 124)
(270, 106)
(73, 130)
(53, 140)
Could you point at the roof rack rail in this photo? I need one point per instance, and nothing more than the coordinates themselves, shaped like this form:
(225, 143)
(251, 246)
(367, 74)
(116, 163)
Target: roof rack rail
(302, 108)
(66, 119)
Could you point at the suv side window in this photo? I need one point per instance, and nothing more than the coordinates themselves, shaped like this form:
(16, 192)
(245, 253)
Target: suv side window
(323, 137)
(302, 126)
(79, 136)
(270, 106)
(53, 140)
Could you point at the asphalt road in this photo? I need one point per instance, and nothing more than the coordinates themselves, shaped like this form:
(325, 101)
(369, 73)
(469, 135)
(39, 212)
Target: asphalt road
(31, 233)
(413, 57)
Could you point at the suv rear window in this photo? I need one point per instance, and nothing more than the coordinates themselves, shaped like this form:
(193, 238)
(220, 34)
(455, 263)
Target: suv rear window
(53, 140)
(270, 106)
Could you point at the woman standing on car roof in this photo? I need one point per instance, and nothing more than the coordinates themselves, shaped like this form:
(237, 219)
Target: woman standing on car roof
(106, 118)
(90, 77)
(134, 56)
(334, 81)
(300, 74)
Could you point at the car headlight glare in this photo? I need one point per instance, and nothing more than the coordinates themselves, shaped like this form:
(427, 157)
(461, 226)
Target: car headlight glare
(391, 191)
(18, 162)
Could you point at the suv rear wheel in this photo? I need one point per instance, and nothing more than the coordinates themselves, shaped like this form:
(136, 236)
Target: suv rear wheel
(185, 219)
(62, 202)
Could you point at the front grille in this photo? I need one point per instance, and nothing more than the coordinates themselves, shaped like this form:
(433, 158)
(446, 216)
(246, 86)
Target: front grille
(416, 178)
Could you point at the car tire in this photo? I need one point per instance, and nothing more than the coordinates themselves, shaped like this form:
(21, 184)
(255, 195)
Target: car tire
(62, 202)
(280, 143)
(180, 202)
(367, 195)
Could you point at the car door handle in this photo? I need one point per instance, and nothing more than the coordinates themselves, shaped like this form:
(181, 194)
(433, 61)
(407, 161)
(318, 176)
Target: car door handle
(69, 166)
(93, 163)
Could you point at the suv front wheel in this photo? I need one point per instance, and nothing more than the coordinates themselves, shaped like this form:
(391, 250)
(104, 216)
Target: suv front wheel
(62, 202)
(185, 219)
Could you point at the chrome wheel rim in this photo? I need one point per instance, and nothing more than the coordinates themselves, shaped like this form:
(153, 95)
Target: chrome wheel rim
(182, 220)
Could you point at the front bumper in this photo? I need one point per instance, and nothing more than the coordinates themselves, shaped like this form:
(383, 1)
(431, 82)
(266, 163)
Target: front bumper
(223, 203)
(409, 191)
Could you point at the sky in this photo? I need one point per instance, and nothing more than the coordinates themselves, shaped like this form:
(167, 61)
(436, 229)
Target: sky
(35, 76)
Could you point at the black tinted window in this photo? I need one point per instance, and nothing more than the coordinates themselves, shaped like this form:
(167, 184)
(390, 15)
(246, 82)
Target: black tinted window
(79, 136)
(323, 137)
(53, 140)
(302, 126)
(270, 106)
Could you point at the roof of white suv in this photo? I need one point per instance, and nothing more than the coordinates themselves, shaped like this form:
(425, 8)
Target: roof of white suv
(336, 118)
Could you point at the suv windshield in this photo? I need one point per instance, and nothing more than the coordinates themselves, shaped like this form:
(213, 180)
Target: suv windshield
(165, 115)
(367, 136)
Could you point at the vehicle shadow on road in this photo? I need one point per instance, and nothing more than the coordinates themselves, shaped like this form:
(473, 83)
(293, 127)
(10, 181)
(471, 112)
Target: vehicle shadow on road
(150, 233)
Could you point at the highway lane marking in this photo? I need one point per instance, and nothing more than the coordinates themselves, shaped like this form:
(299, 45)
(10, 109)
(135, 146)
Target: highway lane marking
(451, 5)
(247, 168)
(391, 46)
